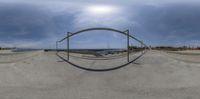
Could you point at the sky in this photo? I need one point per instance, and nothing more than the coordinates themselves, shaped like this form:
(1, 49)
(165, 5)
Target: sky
(40, 23)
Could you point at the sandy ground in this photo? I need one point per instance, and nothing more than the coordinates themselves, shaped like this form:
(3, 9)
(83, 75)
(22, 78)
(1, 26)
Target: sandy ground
(191, 56)
(46, 76)
(7, 56)
(5, 51)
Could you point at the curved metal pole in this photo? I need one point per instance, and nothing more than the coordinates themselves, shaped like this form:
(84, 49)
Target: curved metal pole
(109, 29)
(92, 29)
(99, 70)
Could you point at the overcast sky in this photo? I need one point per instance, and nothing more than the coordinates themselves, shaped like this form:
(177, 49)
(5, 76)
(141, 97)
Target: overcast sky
(38, 24)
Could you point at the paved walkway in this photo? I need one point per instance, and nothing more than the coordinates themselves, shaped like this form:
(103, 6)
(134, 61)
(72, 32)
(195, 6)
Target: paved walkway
(46, 76)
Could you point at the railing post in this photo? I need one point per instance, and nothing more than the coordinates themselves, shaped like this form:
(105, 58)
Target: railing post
(128, 45)
(68, 46)
(142, 46)
(56, 46)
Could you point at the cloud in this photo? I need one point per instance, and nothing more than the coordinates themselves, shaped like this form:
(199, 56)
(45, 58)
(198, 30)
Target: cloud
(23, 21)
(169, 23)
(26, 23)
(40, 23)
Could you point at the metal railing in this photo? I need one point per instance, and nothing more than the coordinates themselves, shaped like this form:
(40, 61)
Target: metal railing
(126, 33)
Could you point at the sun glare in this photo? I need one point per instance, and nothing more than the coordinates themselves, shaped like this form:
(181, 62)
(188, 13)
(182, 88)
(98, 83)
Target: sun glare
(101, 9)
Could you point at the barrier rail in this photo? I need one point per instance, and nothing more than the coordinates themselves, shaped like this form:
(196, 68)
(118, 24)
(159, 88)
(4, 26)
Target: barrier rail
(126, 33)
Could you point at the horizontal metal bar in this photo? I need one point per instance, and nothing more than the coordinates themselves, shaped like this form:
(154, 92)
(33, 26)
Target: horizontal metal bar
(109, 29)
